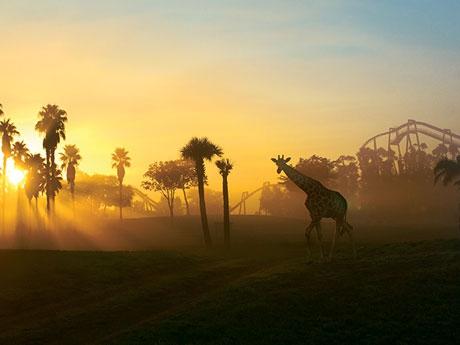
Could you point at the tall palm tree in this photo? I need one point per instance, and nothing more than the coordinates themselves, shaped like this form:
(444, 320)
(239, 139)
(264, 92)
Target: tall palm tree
(120, 161)
(199, 150)
(225, 166)
(9, 131)
(52, 125)
(448, 171)
(70, 159)
(1, 109)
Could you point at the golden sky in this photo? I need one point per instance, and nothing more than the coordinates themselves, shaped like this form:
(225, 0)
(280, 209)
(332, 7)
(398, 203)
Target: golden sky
(258, 78)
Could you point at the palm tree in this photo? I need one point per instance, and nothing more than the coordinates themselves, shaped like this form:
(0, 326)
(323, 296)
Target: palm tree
(1, 109)
(20, 153)
(8, 130)
(52, 125)
(225, 166)
(70, 159)
(36, 177)
(120, 161)
(199, 150)
(55, 183)
(448, 171)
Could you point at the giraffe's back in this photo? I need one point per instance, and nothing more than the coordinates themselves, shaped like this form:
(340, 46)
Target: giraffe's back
(327, 204)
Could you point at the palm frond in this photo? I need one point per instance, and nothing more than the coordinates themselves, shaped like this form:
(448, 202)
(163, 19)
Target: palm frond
(446, 170)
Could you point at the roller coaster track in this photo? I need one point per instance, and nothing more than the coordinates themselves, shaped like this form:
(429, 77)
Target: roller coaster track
(396, 135)
(149, 204)
(245, 196)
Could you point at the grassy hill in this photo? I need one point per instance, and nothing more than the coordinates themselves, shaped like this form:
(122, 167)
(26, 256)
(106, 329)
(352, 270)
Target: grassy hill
(257, 294)
(158, 233)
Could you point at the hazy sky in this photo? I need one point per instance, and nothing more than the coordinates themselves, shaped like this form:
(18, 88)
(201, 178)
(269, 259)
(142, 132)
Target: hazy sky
(259, 78)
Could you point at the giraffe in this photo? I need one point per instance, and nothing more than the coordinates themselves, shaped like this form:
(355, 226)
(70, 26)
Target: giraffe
(321, 203)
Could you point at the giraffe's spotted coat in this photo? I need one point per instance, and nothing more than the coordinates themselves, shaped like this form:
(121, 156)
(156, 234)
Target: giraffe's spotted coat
(321, 203)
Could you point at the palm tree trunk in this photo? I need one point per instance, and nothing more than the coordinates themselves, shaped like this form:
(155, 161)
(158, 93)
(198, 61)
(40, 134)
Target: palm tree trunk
(187, 207)
(226, 212)
(48, 182)
(121, 199)
(72, 192)
(53, 178)
(4, 192)
(204, 217)
(29, 216)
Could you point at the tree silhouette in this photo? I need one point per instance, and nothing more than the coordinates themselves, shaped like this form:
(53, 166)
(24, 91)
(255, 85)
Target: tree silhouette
(225, 167)
(448, 171)
(120, 161)
(8, 130)
(440, 151)
(52, 125)
(166, 178)
(36, 176)
(319, 168)
(102, 191)
(70, 159)
(188, 180)
(347, 175)
(199, 150)
(453, 150)
(20, 153)
(55, 184)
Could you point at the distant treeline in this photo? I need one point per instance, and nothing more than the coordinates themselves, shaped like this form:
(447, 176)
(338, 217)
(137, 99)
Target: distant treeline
(378, 185)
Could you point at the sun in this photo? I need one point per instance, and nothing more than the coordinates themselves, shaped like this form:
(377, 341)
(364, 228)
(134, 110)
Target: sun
(15, 176)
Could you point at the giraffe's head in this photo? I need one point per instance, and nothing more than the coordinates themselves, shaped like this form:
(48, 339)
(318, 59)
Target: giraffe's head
(280, 162)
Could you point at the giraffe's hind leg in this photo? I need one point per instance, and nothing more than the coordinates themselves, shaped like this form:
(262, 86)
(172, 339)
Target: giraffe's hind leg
(320, 240)
(308, 231)
(338, 230)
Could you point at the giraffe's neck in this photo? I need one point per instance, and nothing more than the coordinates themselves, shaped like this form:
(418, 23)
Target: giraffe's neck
(307, 184)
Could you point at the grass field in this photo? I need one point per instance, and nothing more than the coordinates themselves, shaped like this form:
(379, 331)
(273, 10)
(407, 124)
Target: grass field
(262, 292)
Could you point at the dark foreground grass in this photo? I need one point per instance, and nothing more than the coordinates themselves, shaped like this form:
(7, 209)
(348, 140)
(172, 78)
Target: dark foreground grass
(403, 293)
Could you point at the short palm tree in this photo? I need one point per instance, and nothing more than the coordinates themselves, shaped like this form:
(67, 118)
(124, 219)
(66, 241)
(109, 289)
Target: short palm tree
(448, 171)
(52, 125)
(36, 177)
(121, 161)
(20, 153)
(199, 150)
(70, 159)
(225, 166)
